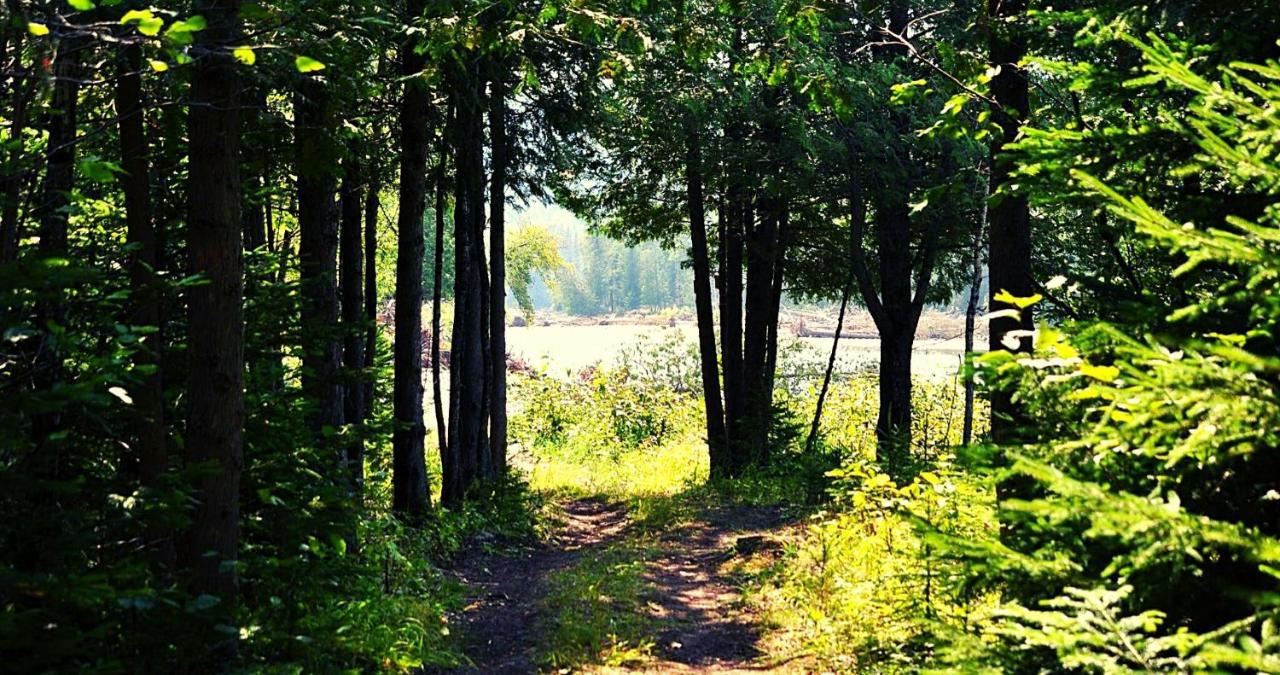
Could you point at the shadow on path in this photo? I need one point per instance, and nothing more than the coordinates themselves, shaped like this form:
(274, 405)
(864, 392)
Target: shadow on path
(705, 627)
(498, 622)
(700, 624)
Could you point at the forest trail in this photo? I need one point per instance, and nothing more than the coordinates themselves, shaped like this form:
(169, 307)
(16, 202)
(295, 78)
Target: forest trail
(696, 620)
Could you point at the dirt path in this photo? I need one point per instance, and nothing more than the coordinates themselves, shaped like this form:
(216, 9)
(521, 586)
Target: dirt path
(705, 627)
(498, 621)
(701, 627)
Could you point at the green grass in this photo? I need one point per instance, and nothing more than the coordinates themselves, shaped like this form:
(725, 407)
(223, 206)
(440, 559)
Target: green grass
(594, 612)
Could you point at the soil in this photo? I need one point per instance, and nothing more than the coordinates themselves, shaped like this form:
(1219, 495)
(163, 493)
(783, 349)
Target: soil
(702, 624)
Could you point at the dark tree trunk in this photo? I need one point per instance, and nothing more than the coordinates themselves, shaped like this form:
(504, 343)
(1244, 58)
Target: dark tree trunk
(717, 442)
(18, 98)
(55, 199)
(215, 390)
(150, 457)
(731, 309)
(826, 376)
(467, 375)
(318, 256)
(371, 205)
(893, 424)
(352, 278)
(437, 277)
(498, 273)
(970, 319)
(1009, 220)
(763, 260)
(253, 205)
(410, 498)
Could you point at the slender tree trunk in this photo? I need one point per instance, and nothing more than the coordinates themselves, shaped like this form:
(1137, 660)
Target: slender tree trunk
(371, 205)
(318, 256)
(498, 272)
(717, 443)
(149, 453)
(353, 360)
(467, 375)
(437, 276)
(738, 219)
(410, 498)
(1009, 220)
(215, 390)
(20, 94)
(970, 319)
(826, 377)
(55, 199)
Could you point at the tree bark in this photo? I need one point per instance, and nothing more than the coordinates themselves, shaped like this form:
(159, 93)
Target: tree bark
(353, 360)
(371, 205)
(55, 199)
(1009, 219)
(467, 373)
(318, 256)
(437, 276)
(410, 498)
(717, 443)
(498, 273)
(215, 390)
(150, 457)
(20, 94)
(826, 377)
(970, 319)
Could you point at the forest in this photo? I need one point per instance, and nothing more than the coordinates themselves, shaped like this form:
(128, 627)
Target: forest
(265, 264)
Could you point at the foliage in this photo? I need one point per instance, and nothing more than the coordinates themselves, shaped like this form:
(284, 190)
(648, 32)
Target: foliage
(864, 586)
(1148, 540)
(531, 250)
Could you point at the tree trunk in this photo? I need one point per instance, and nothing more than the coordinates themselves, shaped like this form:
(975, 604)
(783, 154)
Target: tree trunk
(437, 276)
(970, 319)
(1009, 220)
(410, 498)
(467, 375)
(498, 273)
(893, 425)
(318, 256)
(763, 260)
(215, 390)
(20, 94)
(149, 457)
(55, 199)
(826, 377)
(353, 360)
(717, 443)
(371, 205)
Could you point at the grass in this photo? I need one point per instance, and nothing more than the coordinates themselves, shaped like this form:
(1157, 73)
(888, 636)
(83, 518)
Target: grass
(595, 612)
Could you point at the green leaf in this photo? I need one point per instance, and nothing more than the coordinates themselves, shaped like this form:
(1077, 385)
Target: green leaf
(306, 64)
(148, 23)
(181, 31)
(37, 29)
(81, 5)
(245, 55)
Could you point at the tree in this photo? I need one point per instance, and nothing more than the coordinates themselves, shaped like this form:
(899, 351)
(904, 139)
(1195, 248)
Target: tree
(410, 497)
(215, 386)
(353, 342)
(318, 251)
(1009, 216)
